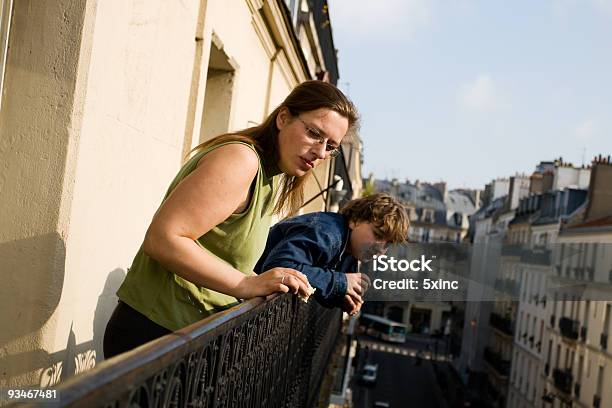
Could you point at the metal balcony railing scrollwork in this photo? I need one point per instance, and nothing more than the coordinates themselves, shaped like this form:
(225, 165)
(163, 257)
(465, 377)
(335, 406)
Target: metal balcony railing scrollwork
(261, 353)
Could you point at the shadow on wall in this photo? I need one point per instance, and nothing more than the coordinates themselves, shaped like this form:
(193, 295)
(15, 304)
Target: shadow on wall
(32, 282)
(77, 358)
(28, 297)
(104, 309)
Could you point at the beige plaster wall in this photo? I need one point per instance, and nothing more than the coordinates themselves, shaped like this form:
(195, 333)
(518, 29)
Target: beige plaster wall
(39, 121)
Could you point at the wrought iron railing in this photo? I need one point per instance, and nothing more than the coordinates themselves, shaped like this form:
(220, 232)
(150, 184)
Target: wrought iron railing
(262, 353)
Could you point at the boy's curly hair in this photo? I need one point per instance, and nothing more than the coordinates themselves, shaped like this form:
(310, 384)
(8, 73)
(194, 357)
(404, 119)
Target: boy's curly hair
(385, 213)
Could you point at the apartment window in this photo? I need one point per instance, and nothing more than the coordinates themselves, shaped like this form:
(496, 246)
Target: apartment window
(561, 256)
(606, 328)
(516, 367)
(593, 265)
(219, 92)
(600, 374)
(530, 286)
(587, 306)
(527, 379)
(428, 215)
(563, 305)
(520, 374)
(588, 368)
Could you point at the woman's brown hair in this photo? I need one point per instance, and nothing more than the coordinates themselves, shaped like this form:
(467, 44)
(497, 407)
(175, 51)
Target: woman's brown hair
(305, 97)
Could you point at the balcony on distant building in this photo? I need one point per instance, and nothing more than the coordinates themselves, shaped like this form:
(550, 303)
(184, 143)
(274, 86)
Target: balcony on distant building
(512, 250)
(569, 328)
(503, 324)
(539, 257)
(495, 360)
(563, 380)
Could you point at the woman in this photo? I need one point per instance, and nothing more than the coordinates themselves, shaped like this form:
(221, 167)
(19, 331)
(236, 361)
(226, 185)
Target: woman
(198, 254)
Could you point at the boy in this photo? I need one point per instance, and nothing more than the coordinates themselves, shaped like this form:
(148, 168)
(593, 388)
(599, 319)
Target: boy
(325, 246)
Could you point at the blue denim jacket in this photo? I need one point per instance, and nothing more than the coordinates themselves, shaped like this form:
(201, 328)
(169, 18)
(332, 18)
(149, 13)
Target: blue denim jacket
(315, 244)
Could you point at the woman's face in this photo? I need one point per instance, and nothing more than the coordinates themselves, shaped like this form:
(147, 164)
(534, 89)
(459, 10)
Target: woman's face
(299, 151)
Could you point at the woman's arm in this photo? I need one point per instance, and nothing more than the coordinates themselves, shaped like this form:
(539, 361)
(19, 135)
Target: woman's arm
(218, 187)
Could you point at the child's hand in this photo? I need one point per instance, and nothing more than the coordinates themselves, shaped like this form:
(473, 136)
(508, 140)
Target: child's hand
(350, 306)
(357, 285)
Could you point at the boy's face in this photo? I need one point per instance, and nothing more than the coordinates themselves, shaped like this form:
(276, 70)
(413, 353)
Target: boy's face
(364, 243)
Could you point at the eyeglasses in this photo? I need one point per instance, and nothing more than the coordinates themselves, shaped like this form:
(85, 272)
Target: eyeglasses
(316, 136)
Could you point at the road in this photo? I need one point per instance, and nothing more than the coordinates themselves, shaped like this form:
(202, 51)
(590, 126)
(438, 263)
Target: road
(400, 382)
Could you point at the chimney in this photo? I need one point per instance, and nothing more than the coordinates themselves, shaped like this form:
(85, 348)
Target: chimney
(536, 183)
(441, 187)
(599, 200)
(516, 191)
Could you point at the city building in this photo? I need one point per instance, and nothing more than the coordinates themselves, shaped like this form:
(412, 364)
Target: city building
(577, 363)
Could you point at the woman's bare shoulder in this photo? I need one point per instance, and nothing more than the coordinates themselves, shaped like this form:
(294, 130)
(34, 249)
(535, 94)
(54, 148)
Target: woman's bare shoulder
(237, 157)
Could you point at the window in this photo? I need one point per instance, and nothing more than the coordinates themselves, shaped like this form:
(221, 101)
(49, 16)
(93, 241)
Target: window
(219, 92)
(428, 215)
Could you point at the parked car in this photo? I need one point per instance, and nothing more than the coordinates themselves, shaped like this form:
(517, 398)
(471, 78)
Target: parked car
(369, 374)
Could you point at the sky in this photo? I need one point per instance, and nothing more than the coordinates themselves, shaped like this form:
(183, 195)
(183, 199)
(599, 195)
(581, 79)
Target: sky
(467, 91)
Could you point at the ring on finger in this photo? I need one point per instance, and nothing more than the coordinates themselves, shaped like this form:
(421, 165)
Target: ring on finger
(283, 279)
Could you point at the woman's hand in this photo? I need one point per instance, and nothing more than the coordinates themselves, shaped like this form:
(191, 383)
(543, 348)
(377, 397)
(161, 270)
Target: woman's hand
(274, 280)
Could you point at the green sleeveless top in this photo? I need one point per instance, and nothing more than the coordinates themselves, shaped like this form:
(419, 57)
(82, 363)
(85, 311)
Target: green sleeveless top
(173, 302)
